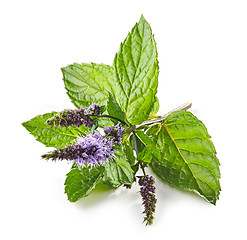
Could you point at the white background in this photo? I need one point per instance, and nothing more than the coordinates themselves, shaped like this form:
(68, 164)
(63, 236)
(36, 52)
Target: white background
(202, 48)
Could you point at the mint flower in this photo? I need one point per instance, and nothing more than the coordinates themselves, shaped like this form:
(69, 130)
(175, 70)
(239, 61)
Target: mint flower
(115, 133)
(93, 149)
(77, 117)
(148, 196)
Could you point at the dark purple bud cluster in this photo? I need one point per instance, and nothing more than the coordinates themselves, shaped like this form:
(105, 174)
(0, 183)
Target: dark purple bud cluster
(77, 117)
(115, 133)
(92, 149)
(148, 196)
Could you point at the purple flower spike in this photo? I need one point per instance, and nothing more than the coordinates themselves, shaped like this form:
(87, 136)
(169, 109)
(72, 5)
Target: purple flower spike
(147, 191)
(93, 149)
(77, 117)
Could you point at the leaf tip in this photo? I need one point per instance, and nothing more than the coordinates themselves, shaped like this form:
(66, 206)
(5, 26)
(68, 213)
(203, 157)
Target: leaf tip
(25, 125)
(62, 68)
(142, 18)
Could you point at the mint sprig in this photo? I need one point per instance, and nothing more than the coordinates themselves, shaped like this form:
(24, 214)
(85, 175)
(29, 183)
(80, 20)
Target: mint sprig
(176, 146)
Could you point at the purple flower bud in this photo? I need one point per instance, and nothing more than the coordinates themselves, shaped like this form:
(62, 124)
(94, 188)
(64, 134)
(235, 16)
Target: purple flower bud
(114, 133)
(91, 107)
(86, 111)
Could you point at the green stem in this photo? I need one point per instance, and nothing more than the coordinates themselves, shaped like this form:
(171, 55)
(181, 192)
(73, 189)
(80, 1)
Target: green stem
(115, 118)
(158, 120)
(136, 149)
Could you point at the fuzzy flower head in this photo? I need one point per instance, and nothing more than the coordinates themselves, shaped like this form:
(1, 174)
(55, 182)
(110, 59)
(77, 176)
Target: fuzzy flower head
(93, 149)
(77, 117)
(115, 133)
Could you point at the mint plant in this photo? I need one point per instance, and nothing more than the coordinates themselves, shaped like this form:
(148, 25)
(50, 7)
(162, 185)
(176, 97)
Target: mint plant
(114, 134)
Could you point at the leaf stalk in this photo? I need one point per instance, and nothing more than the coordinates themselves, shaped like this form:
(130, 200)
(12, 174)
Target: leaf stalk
(112, 117)
(136, 149)
(155, 121)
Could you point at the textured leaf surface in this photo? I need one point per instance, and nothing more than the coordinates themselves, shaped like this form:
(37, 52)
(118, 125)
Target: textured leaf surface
(50, 136)
(156, 106)
(114, 109)
(146, 154)
(136, 67)
(118, 170)
(188, 159)
(132, 81)
(146, 140)
(150, 146)
(88, 83)
(129, 154)
(80, 182)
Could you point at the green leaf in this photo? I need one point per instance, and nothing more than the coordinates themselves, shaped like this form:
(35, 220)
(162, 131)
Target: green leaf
(132, 81)
(147, 141)
(136, 67)
(128, 150)
(146, 154)
(50, 136)
(114, 109)
(188, 159)
(81, 181)
(118, 171)
(140, 145)
(156, 106)
(153, 129)
(88, 83)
